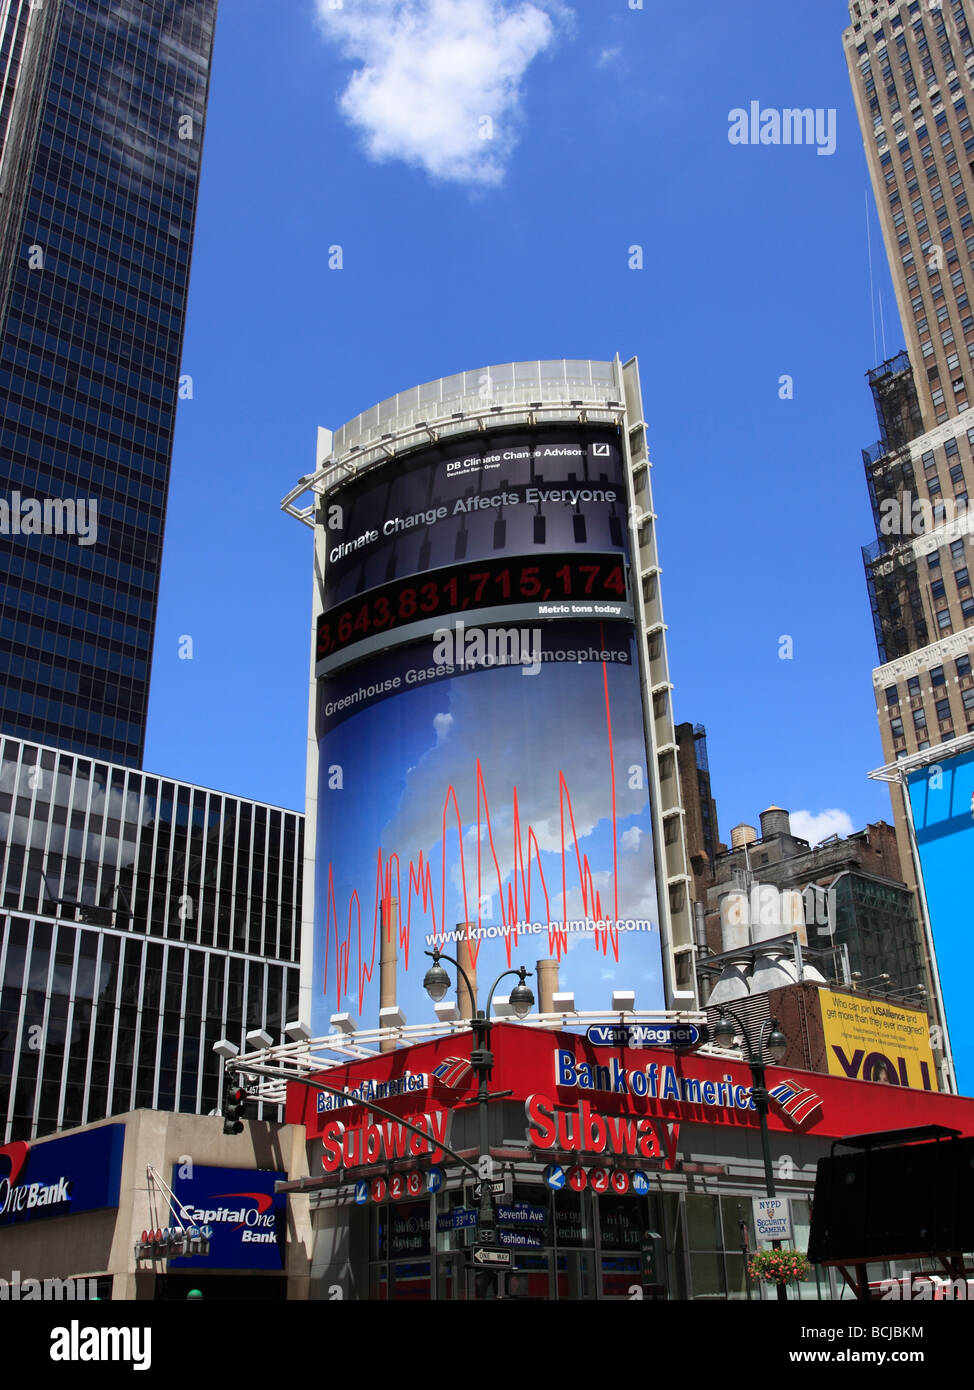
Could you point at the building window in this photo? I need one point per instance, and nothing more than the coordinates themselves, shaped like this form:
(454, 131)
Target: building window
(937, 675)
(892, 695)
(963, 578)
(943, 619)
(963, 667)
(943, 711)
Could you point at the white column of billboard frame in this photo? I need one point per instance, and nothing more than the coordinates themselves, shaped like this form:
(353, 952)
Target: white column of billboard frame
(305, 997)
(675, 925)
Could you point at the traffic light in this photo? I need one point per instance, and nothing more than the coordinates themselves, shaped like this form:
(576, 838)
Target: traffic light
(234, 1109)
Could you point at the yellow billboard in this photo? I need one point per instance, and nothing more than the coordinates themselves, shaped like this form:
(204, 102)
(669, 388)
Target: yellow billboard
(871, 1040)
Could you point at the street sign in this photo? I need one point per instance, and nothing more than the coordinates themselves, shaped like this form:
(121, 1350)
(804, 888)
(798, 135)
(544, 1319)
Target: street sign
(434, 1179)
(498, 1187)
(490, 1257)
(640, 1183)
(554, 1177)
(772, 1218)
(522, 1214)
(361, 1192)
(653, 1261)
(457, 1219)
(681, 1036)
(577, 1179)
(520, 1240)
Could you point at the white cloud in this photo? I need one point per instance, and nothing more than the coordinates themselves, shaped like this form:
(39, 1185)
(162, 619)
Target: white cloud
(815, 828)
(631, 838)
(442, 723)
(607, 56)
(438, 83)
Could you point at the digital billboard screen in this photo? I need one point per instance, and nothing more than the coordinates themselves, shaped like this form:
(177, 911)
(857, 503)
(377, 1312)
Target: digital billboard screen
(510, 796)
(482, 752)
(517, 526)
(942, 801)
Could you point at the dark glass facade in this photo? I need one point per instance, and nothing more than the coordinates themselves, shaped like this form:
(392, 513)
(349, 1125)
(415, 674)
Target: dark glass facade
(102, 108)
(142, 920)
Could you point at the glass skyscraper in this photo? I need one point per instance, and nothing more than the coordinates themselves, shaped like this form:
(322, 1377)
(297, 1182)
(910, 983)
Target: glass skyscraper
(102, 106)
(141, 919)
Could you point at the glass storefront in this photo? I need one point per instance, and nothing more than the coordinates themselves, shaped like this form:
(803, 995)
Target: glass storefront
(568, 1245)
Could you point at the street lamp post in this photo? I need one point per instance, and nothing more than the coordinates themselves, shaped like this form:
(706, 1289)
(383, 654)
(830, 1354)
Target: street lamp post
(770, 1040)
(437, 983)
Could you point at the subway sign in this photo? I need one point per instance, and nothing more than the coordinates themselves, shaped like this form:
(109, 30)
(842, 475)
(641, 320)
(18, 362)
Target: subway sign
(61, 1177)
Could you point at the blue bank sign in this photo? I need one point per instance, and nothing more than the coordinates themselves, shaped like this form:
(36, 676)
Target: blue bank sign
(61, 1177)
(248, 1218)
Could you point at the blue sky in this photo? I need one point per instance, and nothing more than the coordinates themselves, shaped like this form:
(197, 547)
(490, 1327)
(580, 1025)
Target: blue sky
(610, 130)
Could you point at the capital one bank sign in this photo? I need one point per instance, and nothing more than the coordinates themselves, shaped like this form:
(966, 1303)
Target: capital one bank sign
(61, 1177)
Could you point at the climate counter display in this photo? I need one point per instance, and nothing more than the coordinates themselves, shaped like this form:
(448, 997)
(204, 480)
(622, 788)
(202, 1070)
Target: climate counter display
(482, 783)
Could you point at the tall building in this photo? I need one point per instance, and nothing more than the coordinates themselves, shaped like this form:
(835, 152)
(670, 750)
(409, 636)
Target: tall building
(102, 107)
(911, 66)
(862, 920)
(141, 920)
(699, 807)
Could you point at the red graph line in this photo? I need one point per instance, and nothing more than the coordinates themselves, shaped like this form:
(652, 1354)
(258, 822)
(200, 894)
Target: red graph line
(515, 905)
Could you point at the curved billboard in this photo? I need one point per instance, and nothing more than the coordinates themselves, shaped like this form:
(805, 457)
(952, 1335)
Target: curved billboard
(483, 783)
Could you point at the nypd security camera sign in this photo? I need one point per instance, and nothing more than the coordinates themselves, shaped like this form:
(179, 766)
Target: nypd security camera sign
(772, 1218)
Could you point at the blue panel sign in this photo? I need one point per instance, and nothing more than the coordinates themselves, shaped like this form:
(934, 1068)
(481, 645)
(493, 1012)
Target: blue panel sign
(522, 1214)
(942, 800)
(61, 1177)
(520, 1240)
(554, 1177)
(681, 1036)
(457, 1220)
(249, 1219)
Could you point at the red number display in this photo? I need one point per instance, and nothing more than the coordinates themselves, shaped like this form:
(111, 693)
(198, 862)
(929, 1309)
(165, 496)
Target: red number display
(464, 588)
